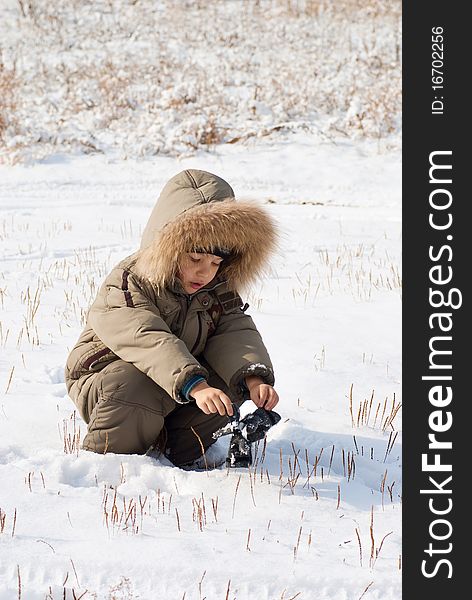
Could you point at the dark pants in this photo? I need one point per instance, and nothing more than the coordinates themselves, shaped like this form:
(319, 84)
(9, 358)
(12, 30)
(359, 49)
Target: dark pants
(128, 413)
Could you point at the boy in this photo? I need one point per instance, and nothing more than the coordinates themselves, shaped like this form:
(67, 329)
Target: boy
(167, 346)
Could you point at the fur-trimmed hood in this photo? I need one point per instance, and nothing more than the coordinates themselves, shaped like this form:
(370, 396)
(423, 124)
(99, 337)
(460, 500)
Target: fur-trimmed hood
(197, 211)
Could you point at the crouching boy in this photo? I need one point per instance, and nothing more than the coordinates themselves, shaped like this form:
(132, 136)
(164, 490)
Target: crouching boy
(168, 346)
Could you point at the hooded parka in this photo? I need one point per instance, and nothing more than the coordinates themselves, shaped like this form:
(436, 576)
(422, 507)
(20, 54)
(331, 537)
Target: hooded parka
(144, 322)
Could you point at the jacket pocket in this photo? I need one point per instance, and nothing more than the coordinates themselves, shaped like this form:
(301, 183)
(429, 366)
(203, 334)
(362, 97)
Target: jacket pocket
(94, 359)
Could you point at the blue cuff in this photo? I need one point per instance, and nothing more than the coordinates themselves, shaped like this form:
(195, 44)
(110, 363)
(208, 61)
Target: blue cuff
(191, 383)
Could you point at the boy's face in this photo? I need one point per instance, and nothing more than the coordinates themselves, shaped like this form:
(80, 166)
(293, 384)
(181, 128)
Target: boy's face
(197, 270)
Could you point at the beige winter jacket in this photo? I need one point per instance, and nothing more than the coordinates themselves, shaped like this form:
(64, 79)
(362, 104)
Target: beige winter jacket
(142, 313)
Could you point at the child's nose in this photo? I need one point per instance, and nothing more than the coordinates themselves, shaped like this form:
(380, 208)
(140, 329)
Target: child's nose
(203, 269)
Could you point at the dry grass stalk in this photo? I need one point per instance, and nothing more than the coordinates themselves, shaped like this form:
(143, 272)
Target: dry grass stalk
(390, 444)
(235, 494)
(267, 475)
(370, 405)
(251, 485)
(384, 409)
(307, 464)
(331, 461)
(350, 404)
(248, 540)
(47, 544)
(314, 469)
(202, 448)
(365, 591)
(264, 447)
(214, 505)
(360, 546)
(204, 508)
(198, 515)
(377, 550)
(75, 572)
(376, 414)
(393, 413)
(372, 539)
(11, 376)
(292, 477)
(295, 549)
(296, 464)
(200, 585)
(177, 517)
(71, 440)
(261, 473)
(365, 408)
(382, 487)
(4, 336)
(351, 466)
(176, 488)
(121, 519)
(32, 304)
(317, 460)
(355, 443)
(3, 518)
(142, 506)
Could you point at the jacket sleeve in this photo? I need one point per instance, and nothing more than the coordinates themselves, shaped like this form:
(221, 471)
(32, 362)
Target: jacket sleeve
(129, 323)
(236, 350)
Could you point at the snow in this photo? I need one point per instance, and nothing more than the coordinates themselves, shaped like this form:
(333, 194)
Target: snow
(147, 77)
(297, 105)
(329, 312)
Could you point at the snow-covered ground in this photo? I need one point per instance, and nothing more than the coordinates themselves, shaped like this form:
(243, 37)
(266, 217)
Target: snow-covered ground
(298, 102)
(146, 77)
(319, 515)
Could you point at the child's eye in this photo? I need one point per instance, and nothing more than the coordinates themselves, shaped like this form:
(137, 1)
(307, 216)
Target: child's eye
(194, 259)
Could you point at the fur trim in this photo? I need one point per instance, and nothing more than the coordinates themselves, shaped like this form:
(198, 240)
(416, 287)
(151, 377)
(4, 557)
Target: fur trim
(243, 227)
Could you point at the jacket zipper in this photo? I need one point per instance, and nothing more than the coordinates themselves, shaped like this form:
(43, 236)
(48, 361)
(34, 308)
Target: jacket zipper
(185, 304)
(188, 299)
(197, 343)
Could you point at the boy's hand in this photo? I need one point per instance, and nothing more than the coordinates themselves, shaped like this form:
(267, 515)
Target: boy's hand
(211, 400)
(262, 394)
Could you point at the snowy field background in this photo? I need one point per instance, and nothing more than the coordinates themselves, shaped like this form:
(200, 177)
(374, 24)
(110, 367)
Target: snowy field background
(319, 515)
